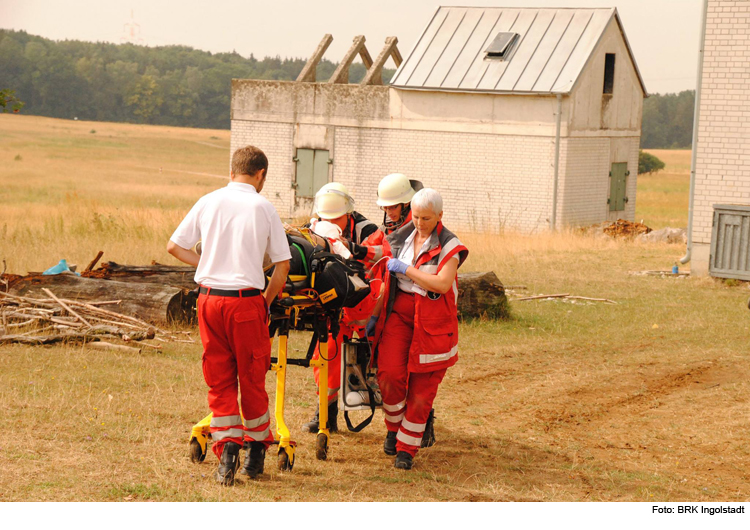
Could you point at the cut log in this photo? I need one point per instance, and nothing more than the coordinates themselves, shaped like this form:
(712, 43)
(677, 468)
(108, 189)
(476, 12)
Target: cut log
(177, 276)
(481, 294)
(109, 346)
(152, 302)
(163, 293)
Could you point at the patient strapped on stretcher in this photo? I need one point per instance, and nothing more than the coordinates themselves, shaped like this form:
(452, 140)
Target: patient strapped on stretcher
(316, 269)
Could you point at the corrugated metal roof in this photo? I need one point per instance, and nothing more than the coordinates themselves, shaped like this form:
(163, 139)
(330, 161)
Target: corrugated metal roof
(552, 50)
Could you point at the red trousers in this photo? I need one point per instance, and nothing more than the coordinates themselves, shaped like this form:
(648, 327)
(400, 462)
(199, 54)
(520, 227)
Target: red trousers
(407, 397)
(236, 348)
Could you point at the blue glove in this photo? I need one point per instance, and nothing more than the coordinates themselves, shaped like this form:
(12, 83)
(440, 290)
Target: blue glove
(397, 266)
(370, 326)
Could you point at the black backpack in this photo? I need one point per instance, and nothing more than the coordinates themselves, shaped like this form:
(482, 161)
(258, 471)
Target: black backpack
(338, 282)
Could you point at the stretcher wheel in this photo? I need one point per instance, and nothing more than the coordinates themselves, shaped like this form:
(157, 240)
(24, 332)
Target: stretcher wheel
(284, 463)
(196, 452)
(321, 446)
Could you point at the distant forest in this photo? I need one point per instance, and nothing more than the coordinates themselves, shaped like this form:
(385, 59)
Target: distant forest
(181, 86)
(166, 85)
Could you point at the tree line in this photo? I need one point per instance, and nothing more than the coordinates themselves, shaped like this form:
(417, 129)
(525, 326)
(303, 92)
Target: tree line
(181, 86)
(668, 121)
(166, 85)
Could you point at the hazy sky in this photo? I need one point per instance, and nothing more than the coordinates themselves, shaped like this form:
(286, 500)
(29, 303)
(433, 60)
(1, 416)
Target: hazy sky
(664, 34)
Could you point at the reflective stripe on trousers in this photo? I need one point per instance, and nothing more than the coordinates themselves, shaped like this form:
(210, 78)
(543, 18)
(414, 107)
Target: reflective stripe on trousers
(225, 421)
(257, 422)
(228, 433)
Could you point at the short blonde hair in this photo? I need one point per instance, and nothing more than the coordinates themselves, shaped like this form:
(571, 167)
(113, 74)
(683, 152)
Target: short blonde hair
(428, 198)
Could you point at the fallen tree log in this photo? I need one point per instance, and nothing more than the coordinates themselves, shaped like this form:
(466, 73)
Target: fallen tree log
(152, 302)
(176, 276)
(101, 345)
(160, 293)
(481, 295)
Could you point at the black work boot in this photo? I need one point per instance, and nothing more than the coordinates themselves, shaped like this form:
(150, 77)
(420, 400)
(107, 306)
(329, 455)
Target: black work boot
(228, 464)
(389, 445)
(333, 414)
(313, 425)
(255, 459)
(428, 438)
(403, 460)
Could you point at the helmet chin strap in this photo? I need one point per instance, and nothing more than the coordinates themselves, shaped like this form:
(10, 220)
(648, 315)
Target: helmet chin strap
(392, 225)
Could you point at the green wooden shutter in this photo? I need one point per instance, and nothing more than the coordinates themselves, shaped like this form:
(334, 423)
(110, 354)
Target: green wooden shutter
(618, 180)
(312, 171)
(305, 168)
(320, 170)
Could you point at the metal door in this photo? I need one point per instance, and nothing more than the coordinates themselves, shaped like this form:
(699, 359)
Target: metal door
(730, 242)
(312, 171)
(618, 184)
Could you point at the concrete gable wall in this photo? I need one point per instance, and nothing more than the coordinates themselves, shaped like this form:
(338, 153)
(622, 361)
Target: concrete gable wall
(593, 113)
(723, 154)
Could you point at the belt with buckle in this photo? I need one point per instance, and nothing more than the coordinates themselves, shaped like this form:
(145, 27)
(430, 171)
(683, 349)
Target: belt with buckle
(244, 293)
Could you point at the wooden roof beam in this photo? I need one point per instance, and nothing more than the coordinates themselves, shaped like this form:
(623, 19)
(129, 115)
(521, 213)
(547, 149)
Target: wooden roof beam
(341, 75)
(307, 74)
(374, 74)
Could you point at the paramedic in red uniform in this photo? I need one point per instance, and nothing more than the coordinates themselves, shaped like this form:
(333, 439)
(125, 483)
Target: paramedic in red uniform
(417, 330)
(394, 196)
(237, 227)
(334, 205)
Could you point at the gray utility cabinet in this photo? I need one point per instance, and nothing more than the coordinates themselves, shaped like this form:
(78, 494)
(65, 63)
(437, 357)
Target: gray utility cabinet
(730, 242)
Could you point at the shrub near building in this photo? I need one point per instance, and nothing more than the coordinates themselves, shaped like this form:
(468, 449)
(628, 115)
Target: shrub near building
(648, 163)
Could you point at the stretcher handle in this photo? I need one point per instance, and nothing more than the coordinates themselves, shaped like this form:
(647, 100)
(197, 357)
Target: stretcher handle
(295, 362)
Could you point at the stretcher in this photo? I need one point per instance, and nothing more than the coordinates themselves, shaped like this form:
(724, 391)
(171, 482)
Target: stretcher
(300, 307)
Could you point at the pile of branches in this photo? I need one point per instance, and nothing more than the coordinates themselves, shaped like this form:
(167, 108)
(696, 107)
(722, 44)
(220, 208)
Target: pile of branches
(626, 229)
(27, 320)
(620, 229)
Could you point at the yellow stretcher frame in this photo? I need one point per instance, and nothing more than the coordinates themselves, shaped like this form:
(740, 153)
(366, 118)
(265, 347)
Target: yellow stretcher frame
(301, 312)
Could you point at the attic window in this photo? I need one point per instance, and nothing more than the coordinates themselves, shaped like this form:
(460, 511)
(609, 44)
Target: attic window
(609, 73)
(501, 46)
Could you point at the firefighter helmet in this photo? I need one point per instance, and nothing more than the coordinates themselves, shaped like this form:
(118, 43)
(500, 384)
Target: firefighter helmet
(333, 200)
(394, 189)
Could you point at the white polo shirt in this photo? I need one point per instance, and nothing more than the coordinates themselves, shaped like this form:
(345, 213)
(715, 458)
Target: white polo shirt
(237, 227)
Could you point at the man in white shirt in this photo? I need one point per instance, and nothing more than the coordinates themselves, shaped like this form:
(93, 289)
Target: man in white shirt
(236, 227)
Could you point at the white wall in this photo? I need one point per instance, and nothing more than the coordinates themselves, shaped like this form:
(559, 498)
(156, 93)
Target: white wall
(585, 163)
(723, 156)
(276, 141)
(488, 182)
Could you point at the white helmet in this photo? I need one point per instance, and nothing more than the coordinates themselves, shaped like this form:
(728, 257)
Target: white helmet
(394, 189)
(333, 200)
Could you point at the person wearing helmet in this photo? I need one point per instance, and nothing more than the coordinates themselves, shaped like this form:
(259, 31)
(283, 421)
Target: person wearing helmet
(395, 192)
(416, 335)
(340, 223)
(334, 204)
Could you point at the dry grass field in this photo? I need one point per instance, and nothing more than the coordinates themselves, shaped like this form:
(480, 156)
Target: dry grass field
(643, 400)
(662, 198)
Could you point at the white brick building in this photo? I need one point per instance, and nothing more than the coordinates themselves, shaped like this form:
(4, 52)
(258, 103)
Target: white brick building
(480, 129)
(722, 168)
